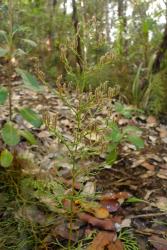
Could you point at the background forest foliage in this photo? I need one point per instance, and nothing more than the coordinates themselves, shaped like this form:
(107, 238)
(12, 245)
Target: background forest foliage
(88, 42)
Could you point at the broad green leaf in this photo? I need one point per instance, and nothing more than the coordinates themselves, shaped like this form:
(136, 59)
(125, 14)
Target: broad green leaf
(6, 158)
(3, 95)
(3, 52)
(119, 107)
(10, 134)
(115, 135)
(136, 140)
(19, 52)
(112, 156)
(123, 110)
(136, 88)
(31, 116)
(30, 42)
(130, 129)
(4, 35)
(28, 136)
(29, 80)
(134, 199)
(112, 146)
(127, 113)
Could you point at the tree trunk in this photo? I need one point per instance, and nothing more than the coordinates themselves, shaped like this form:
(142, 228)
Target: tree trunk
(79, 59)
(160, 53)
(51, 6)
(107, 19)
(120, 8)
(64, 7)
(122, 5)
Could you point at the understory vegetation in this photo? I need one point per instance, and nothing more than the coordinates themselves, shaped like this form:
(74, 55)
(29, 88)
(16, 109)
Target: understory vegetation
(78, 79)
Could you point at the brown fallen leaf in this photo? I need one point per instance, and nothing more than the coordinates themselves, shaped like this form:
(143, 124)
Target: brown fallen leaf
(148, 166)
(94, 208)
(63, 231)
(126, 223)
(164, 166)
(158, 243)
(101, 241)
(117, 219)
(101, 213)
(138, 162)
(89, 188)
(162, 174)
(151, 121)
(76, 225)
(50, 203)
(154, 157)
(44, 134)
(113, 201)
(163, 132)
(161, 203)
(165, 159)
(152, 139)
(117, 245)
(93, 137)
(31, 214)
(111, 205)
(148, 174)
(68, 204)
(106, 224)
(117, 196)
(69, 183)
(123, 121)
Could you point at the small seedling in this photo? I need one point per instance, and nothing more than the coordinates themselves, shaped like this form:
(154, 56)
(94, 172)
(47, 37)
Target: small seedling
(117, 136)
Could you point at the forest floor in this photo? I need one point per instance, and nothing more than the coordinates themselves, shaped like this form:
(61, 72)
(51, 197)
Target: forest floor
(141, 175)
